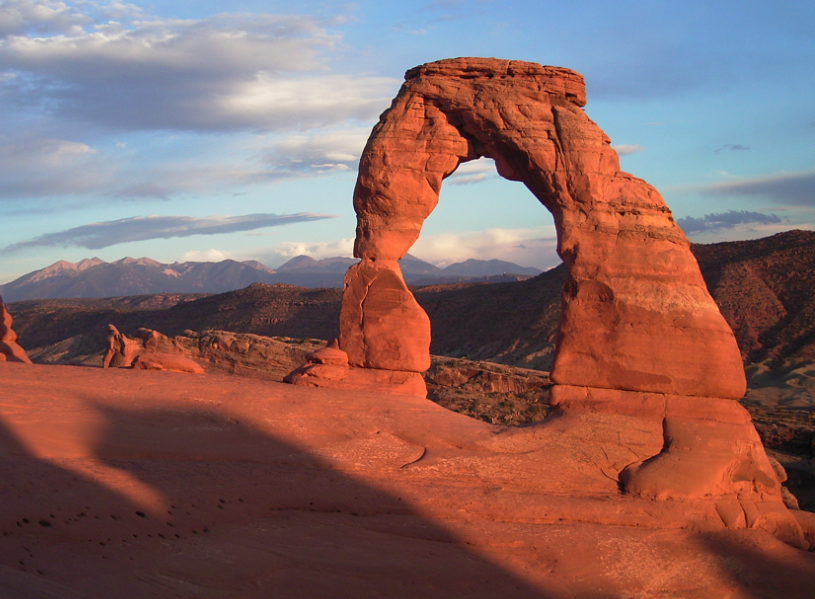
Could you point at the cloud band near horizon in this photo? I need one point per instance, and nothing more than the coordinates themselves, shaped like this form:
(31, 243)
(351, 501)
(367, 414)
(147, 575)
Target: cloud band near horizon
(725, 220)
(100, 235)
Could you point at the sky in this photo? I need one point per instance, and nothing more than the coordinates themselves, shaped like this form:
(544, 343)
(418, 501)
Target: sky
(204, 129)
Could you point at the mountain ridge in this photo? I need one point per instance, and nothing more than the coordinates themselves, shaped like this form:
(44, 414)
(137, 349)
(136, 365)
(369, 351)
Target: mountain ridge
(762, 287)
(95, 278)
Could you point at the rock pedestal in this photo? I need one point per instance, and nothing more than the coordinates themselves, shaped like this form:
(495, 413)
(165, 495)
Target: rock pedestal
(10, 351)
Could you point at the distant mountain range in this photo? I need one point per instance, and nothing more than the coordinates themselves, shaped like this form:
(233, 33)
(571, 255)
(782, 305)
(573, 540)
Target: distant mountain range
(95, 278)
(763, 287)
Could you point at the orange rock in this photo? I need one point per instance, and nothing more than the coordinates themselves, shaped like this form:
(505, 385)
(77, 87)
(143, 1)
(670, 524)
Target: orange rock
(150, 350)
(381, 324)
(150, 360)
(644, 358)
(329, 367)
(331, 354)
(10, 351)
(636, 316)
(120, 350)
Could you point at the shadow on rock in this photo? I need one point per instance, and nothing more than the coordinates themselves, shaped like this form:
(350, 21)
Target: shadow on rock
(762, 567)
(235, 513)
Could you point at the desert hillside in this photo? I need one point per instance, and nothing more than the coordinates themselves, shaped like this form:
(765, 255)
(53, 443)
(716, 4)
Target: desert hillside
(763, 288)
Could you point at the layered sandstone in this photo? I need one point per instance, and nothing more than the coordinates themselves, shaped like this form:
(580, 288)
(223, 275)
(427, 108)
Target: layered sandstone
(10, 350)
(149, 350)
(641, 348)
(329, 367)
(633, 283)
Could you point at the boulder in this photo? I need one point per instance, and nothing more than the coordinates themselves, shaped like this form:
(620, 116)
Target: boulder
(151, 360)
(329, 367)
(120, 350)
(149, 350)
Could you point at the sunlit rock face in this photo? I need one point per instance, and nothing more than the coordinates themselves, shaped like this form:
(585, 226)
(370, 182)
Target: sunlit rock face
(640, 337)
(636, 313)
(10, 351)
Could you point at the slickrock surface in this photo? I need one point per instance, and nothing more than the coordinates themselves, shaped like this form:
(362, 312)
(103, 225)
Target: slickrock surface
(9, 349)
(133, 484)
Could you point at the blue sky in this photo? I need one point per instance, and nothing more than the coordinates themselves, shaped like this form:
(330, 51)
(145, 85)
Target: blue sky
(183, 130)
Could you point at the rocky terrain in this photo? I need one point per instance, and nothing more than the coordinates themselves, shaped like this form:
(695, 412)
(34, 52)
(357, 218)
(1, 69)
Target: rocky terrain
(132, 484)
(646, 479)
(513, 323)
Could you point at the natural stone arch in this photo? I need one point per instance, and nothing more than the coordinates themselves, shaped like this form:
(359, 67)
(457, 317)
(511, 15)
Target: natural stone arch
(641, 342)
(637, 315)
(646, 368)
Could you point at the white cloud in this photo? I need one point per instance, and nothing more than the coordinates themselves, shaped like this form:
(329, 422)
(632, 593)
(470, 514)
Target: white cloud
(316, 250)
(473, 172)
(212, 255)
(534, 246)
(32, 167)
(628, 149)
(17, 17)
(331, 151)
(223, 72)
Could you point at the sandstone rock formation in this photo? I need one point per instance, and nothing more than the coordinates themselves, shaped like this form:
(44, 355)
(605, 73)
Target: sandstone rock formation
(143, 352)
(329, 367)
(151, 360)
(10, 351)
(120, 351)
(639, 334)
(632, 280)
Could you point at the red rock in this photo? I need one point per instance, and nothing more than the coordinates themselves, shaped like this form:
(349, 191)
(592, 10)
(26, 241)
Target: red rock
(150, 350)
(642, 350)
(151, 360)
(312, 490)
(329, 367)
(331, 354)
(381, 324)
(120, 350)
(10, 351)
(633, 283)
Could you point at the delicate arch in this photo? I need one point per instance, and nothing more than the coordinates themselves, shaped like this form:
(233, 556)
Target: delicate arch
(636, 313)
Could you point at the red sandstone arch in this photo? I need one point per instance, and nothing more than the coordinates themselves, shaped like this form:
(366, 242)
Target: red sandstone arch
(646, 368)
(637, 315)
